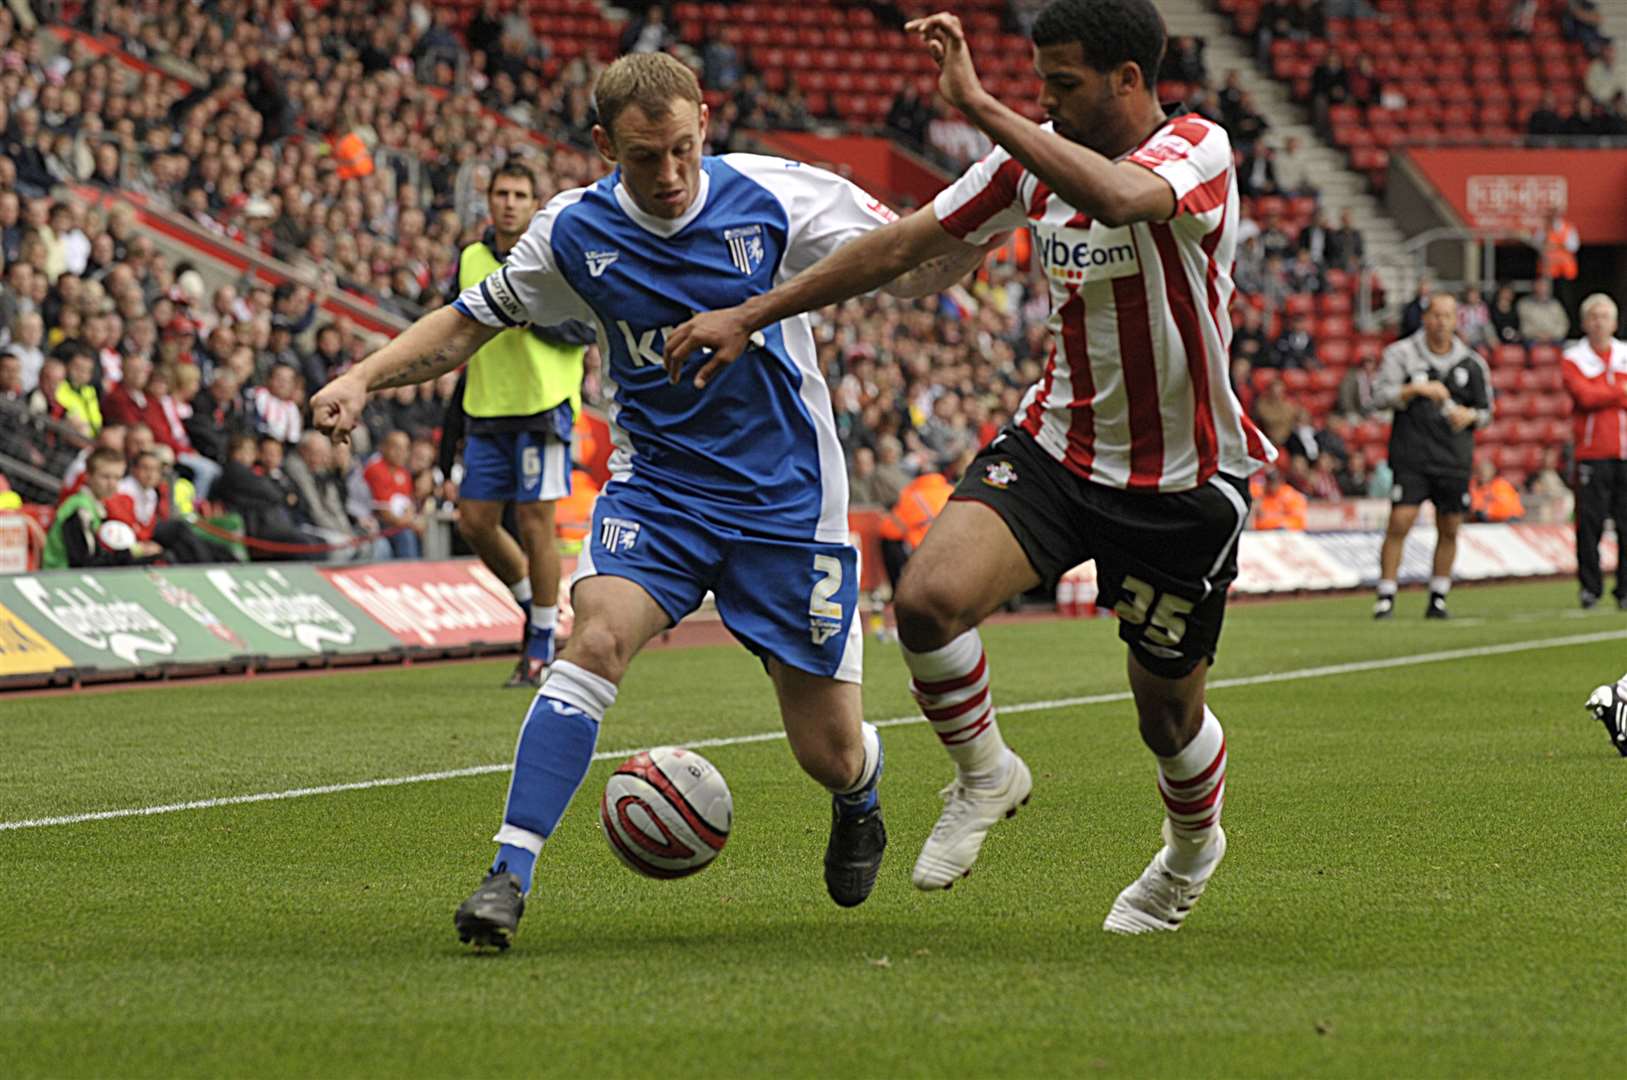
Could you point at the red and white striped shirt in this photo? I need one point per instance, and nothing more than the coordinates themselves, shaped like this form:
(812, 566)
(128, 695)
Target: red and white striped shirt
(1136, 393)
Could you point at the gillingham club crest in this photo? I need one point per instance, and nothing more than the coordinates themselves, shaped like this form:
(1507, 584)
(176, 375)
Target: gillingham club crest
(745, 247)
(1000, 474)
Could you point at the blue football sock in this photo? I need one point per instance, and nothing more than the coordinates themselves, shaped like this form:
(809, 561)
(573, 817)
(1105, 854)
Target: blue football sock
(865, 797)
(554, 752)
(517, 861)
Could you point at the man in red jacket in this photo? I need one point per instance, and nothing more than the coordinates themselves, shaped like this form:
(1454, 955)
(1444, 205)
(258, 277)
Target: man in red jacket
(1596, 377)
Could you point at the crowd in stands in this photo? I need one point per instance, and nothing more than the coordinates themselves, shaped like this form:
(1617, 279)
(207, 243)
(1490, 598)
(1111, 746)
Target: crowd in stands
(358, 155)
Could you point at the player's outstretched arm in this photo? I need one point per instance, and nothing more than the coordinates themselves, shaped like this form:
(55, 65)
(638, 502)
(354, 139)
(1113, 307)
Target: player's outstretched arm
(916, 243)
(436, 343)
(1114, 193)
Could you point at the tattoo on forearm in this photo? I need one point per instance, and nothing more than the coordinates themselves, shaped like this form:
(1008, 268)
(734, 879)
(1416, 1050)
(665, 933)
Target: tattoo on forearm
(420, 368)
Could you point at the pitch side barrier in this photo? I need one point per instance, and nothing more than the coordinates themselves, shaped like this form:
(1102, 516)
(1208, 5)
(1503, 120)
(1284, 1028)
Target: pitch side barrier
(68, 627)
(1287, 563)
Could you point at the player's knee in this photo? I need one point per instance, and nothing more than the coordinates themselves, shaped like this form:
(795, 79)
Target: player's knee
(596, 648)
(474, 525)
(830, 763)
(929, 613)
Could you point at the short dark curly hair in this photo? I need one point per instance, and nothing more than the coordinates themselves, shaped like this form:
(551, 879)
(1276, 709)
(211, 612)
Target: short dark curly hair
(1109, 31)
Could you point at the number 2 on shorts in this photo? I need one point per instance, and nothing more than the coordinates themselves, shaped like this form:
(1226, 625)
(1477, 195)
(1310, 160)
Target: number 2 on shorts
(1167, 623)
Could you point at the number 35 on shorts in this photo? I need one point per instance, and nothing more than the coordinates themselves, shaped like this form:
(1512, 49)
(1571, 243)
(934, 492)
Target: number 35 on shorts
(1162, 616)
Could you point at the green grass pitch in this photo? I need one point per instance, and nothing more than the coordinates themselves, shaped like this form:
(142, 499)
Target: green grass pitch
(1425, 876)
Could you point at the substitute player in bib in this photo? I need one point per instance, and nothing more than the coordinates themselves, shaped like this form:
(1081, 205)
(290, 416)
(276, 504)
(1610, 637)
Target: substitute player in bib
(1130, 450)
(739, 490)
(521, 394)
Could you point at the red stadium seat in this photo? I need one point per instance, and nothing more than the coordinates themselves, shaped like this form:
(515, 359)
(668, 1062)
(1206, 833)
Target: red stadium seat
(1333, 327)
(1544, 355)
(1334, 354)
(1333, 303)
(1296, 381)
(1327, 379)
(1506, 380)
(1557, 431)
(1508, 356)
(1299, 304)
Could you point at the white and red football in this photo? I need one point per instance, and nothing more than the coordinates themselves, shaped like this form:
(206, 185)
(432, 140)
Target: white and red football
(666, 812)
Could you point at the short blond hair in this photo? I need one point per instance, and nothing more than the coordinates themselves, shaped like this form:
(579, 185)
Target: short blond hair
(652, 81)
(1598, 299)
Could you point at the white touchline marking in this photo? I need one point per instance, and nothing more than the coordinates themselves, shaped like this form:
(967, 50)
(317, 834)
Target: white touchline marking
(1352, 668)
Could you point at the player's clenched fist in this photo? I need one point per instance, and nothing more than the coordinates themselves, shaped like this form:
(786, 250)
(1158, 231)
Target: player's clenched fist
(338, 406)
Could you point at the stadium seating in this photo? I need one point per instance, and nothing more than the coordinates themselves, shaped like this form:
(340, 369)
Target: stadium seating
(1478, 87)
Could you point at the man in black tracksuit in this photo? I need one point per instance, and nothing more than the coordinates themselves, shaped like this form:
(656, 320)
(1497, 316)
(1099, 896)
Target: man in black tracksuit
(1440, 390)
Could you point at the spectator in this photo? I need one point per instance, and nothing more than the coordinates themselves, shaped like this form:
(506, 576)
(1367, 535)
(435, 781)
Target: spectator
(1293, 170)
(1548, 485)
(81, 404)
(1474, 320)
(274, 408)
(1545, 120)
(128, 402)
(1315, 240)
(12, 390)
(1274, 412)
(146, 505)
(1491, 497)
(1257, 173)
(1295, 347)
(1242, 384)
(891, 479)
(1304, 276)
(319, 509)
(910, 115)
(861, 481)
(1355, 478)
(1356, 398)
(217, 416)
(77, 537)
(264, 506)
(1249, 340)
(1412, 316)
(394, 501)
(27, 337)
(1505, 319)
(1595, 371)
(648, 34)
(1606, 75)
(1542, 318)
(1278, 505)
(1330, 85)
(1587, 120)
(43, 400)
(1582, 22)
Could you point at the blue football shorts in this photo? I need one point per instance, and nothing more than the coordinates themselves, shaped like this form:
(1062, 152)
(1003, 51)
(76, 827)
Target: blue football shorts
(520, 466)
(791, 601)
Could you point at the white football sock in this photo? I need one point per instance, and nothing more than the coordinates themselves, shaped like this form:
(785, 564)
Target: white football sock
(951, 685)
(1386, 588)
(544, 618)
(1193, 785)
(521, 591)
(1440, 585)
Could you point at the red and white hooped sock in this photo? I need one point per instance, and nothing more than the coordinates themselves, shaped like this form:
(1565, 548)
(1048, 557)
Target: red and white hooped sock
(952, 686)
(1193, 785)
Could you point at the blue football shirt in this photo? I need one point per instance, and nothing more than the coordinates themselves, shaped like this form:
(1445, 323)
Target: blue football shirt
(756, 450)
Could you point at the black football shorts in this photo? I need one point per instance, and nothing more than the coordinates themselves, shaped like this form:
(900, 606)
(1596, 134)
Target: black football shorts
(1163, 560)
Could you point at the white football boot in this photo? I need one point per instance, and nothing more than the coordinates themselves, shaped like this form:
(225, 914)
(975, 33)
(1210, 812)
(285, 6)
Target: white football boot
(968, 815)
(1160, 899)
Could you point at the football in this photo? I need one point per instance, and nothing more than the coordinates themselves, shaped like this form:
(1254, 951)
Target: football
(666, 812)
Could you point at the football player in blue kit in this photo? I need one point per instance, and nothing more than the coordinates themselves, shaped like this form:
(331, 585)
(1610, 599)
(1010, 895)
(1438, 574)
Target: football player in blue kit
(737, 487)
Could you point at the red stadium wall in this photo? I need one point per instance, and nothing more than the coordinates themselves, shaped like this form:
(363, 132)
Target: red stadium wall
(874, 164)
(1512, 190)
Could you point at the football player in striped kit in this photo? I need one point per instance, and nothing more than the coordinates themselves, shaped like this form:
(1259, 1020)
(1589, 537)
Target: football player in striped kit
(1131, 449)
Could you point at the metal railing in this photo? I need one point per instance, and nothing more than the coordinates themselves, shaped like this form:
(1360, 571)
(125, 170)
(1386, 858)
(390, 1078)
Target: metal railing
(1402, 273)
